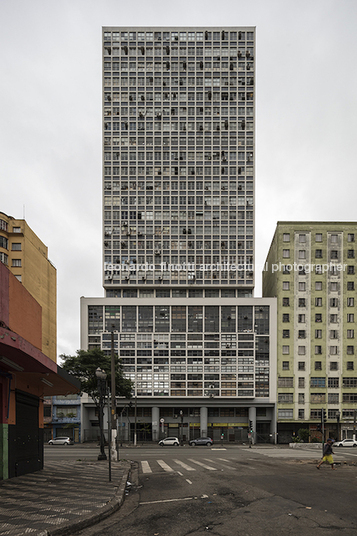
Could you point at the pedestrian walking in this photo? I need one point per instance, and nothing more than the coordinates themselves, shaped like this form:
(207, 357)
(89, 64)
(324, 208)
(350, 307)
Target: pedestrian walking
(327, 454)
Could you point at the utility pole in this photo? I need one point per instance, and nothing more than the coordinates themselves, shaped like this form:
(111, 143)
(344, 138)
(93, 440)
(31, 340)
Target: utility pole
(113, 449)
(136, 413)
(323, 421)
(338, 415)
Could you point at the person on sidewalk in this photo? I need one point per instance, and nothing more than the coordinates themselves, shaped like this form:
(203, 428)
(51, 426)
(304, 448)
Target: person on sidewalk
(327, 454)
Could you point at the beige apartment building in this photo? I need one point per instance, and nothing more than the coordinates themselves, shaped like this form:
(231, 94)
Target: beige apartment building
(311, 270)
(26, 256)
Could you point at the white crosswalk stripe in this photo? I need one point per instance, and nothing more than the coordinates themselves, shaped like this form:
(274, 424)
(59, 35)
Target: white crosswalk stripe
(145, 467)
(203, 465)
(165, 466)
(148, 468)
(184, 465)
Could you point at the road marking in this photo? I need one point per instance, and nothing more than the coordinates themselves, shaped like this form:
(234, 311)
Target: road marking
(218, 448)
(184, 465)
(224, 460)
(189, 481)
(165, 466)
(203, 465)
(175, 500)
(145, 467)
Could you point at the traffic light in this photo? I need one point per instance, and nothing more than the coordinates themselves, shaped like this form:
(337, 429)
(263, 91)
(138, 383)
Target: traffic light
(250, 426)
(319, 428)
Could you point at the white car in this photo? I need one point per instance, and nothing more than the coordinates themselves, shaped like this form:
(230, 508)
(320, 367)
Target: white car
(61, 441)
(169, 441)
(345, 443)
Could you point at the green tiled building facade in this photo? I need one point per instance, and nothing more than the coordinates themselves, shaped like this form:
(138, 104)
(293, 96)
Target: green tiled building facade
(311, 269)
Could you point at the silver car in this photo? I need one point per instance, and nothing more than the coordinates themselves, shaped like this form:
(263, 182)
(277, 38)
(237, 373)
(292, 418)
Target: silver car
(61, 441)
(201, 441)
(345, 443)
(169, 441)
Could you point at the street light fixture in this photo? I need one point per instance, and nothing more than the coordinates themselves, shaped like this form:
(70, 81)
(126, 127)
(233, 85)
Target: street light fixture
(102, 388)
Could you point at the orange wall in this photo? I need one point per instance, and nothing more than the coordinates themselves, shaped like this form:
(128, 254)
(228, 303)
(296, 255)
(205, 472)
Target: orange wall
(22, 385)
(25, 314)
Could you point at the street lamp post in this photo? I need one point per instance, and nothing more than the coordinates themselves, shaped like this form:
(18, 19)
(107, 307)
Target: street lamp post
(102, 387)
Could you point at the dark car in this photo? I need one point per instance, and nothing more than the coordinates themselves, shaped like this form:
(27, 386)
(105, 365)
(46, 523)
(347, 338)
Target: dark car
(201, 441)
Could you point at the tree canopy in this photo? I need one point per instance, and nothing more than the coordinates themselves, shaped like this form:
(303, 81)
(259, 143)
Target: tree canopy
(83, 366)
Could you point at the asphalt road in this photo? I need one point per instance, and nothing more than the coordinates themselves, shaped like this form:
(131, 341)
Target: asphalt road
(234, 491)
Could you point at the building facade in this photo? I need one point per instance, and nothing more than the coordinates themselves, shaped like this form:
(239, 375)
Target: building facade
(26, 256)
(178, 232)
(178, 157)
(26, 376)
(311, 270)
(62, 417)
(207, 356)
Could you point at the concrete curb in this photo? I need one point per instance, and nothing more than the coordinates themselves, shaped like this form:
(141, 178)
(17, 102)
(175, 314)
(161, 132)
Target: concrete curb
(69, 528)
(305, 445)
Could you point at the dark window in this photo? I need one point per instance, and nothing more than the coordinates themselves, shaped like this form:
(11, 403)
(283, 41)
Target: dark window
(212, 319)
(195, 318)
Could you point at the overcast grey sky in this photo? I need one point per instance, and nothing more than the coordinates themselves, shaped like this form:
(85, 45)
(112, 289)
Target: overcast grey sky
(50, 130)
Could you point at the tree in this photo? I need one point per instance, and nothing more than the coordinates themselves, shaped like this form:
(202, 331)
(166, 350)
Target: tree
(304, 434)
(83, 366)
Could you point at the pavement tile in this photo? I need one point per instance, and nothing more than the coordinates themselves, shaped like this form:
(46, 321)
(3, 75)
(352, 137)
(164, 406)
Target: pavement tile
(61, 498)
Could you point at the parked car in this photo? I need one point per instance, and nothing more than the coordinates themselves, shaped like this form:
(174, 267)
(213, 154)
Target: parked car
(345, 443)
(169, 441)
(201, 441)
(61, 441)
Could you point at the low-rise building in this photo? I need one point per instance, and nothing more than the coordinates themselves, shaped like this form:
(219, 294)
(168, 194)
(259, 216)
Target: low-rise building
(199, 365)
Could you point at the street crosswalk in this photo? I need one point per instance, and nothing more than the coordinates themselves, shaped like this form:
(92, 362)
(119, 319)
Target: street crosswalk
(188, 464)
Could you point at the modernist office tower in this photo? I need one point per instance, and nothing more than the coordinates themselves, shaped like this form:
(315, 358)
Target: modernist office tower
(178, 135)
(311, 269)
(178, 236)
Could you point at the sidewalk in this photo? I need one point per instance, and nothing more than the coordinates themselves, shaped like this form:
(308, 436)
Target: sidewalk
(62, 498)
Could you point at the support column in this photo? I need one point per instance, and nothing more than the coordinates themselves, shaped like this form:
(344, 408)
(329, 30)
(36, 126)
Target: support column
(203, 421)
(155, 422)
(253, 417)
(273, 424)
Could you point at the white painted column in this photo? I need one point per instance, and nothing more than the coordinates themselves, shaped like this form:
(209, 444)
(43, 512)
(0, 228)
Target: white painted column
(155, 418)
(203, 421)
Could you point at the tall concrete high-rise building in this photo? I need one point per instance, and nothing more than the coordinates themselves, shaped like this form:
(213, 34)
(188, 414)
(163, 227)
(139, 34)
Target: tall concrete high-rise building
(311, 269)
(178, 229)
(178, 177)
